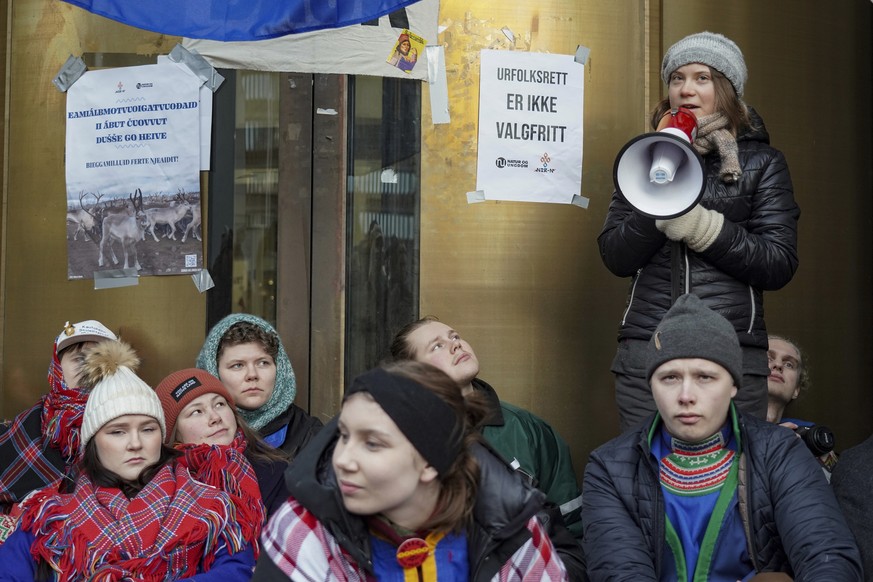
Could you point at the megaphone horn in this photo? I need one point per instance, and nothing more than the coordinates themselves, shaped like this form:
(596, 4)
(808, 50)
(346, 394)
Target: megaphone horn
(660, 174)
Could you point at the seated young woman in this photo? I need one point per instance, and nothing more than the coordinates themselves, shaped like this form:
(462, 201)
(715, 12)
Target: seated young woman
(246, 353)
(220, 448)
(401, 486)
(135, 513)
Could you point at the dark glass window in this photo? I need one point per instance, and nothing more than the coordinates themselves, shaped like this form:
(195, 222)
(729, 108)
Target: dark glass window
(383, 215)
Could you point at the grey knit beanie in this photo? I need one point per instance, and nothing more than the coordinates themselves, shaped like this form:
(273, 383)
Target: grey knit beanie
(692, 330)
(711, 49)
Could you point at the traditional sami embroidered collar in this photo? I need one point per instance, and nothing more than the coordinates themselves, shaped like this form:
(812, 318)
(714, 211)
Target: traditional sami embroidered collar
(697, 468)
(412, 549)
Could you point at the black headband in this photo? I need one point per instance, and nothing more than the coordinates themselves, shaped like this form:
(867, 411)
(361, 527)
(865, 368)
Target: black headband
(429, 423)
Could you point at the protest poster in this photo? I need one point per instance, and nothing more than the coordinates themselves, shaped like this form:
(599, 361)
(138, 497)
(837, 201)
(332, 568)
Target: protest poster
(132, 171)
(530, 127)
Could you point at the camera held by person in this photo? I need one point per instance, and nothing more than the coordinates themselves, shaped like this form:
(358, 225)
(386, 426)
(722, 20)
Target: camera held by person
(818, 438)
(789, 376)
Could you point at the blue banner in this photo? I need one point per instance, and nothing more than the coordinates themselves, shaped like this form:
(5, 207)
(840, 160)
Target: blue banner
(240, 20)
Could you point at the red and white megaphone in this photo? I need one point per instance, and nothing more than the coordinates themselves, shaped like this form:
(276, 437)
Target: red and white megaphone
(660, 174)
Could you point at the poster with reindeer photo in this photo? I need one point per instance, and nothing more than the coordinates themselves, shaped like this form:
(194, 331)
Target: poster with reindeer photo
(132, 171)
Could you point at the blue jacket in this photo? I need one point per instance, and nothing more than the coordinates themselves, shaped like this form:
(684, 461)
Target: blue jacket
(19, 565)
(795, 525)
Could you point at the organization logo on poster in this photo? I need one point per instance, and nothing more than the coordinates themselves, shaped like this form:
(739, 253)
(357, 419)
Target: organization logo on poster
(502, 162)
(545, 169)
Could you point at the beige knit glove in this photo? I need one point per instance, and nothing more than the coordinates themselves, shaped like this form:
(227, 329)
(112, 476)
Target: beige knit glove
(698, 227)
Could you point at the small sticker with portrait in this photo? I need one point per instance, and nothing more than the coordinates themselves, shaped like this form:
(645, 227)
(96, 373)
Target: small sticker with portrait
(407, 49)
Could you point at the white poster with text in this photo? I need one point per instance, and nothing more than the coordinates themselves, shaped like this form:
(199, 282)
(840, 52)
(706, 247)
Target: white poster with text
(530, 127)
(132, 170)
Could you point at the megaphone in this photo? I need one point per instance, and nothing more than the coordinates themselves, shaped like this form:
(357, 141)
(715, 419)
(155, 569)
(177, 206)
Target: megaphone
(660, 174)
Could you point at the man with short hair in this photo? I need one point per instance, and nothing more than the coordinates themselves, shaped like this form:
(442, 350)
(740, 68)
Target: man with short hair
(789, 376)
(701, 491)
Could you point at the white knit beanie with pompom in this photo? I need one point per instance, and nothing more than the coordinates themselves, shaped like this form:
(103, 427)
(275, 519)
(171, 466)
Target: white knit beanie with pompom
(117, 390)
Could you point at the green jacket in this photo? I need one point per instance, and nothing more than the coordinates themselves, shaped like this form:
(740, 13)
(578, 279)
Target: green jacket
(529, 443)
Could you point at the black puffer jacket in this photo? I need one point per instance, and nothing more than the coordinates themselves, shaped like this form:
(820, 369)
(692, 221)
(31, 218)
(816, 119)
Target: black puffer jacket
(755, 251)
(504, 504)
(795, 522)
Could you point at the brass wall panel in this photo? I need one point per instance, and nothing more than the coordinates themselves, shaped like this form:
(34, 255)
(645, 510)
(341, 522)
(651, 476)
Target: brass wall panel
(163, 317)
(524, 282)
(4, 144)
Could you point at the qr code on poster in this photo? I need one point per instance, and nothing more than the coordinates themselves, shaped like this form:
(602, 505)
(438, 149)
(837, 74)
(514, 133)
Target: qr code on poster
(190, 261)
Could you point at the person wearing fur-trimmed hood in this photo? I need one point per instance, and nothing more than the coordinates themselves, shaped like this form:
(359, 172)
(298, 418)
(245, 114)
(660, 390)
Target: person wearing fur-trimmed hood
(134, 513)
(246, 353)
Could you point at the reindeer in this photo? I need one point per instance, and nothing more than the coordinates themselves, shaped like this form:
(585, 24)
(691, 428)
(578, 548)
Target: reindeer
(85, 220)
(169, 215)
(194, 224)
(127, 229)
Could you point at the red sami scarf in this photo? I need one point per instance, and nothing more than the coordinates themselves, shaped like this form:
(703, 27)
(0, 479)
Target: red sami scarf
(227, 468)
(174, 525)
(62, 411)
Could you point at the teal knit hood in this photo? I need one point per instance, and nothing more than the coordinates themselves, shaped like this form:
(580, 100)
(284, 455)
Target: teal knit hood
(286, 385)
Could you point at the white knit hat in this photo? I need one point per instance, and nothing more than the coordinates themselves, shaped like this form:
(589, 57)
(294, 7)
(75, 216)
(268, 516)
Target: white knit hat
(119, 391)
(711, 49)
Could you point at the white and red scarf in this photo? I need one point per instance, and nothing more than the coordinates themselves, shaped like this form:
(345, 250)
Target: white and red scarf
(227, 468)
(62, 411)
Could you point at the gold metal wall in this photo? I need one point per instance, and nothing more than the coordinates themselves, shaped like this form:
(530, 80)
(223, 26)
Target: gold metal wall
(163, 317)
(524, 282)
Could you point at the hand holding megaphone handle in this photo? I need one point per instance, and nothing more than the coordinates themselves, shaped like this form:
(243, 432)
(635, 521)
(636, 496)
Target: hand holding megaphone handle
(698, 228)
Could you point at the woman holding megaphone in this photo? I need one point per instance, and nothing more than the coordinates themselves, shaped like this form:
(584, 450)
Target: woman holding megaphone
(735, 238)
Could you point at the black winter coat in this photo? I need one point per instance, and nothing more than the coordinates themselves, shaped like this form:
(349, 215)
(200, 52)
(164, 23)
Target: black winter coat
(301, 428)
(794, 520)
(271, 482)
(755, 251)
(504, 505)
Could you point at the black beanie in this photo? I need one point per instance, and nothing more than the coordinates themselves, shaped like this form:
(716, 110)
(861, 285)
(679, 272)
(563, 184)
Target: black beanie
(692, 330)
(424, 418)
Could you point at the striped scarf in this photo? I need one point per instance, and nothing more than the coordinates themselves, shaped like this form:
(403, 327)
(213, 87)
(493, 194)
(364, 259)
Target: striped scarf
(226, 468)
(168, 531)
(62, 412)
(712, 134)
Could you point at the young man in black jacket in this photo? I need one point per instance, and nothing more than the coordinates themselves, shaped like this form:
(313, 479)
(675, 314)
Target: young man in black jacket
(702, 491)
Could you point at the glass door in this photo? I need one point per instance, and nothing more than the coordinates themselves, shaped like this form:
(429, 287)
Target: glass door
(314, 216)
